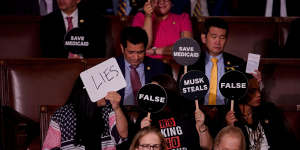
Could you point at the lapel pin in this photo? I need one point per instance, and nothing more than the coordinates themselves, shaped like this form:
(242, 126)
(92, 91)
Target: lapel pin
(148, 68)
(81, 21)
(174, 22)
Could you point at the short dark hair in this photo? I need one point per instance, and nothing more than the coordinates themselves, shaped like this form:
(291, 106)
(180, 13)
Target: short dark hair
(134, 35)
(215, 22)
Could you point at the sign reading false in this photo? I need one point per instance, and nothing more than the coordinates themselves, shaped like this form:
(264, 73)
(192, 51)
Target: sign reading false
(152, 98)
(186, 51)
(102, 78)
(233, 85)
(76, 41)
(194, 85)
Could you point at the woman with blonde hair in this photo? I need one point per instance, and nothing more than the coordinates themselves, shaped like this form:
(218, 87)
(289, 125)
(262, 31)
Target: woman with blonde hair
(230, 137)
(148, 138)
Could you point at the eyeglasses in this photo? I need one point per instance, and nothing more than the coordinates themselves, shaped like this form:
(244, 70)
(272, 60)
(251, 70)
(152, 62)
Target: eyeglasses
(149, 146)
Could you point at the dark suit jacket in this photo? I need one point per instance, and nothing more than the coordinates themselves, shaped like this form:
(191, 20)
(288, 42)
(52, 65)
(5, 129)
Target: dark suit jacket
(53, 32)
(152, 67)
(215, 117)
(231, 62)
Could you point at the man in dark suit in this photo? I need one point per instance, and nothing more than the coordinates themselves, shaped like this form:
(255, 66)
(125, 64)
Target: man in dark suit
(55, 25)
(133, 44)
(214, 37)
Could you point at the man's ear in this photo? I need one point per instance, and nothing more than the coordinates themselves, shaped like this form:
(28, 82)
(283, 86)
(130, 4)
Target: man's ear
(122, 48)
(78, 1)
(203, 38)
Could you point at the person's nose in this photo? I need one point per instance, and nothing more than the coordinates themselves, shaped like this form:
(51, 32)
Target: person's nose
(217, 41)
(135, 56)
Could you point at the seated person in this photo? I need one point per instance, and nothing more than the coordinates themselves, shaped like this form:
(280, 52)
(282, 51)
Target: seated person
(133, 44)
(179, 116)
(230, 137)
(147, 138)
(163, 27)
(262, 123)
(72, 14)
(82, 124)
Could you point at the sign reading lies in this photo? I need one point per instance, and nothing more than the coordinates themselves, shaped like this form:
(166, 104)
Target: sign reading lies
(233, 85)
(76, 41)
(152, 98)
(186, 51)
(102, 78)
(194, 85)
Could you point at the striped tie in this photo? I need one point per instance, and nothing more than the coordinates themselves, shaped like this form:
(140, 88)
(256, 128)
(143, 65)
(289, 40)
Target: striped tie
(196, 11)
(122, 8)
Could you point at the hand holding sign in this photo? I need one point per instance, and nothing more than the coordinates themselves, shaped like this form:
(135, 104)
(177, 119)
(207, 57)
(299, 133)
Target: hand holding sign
(102, 78)
(233, 85)
(114, 98)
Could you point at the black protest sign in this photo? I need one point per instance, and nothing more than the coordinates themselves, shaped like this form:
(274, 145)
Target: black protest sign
(76, 41)
(194, 85)
(186, 51)
(152, 98)
(233, 85)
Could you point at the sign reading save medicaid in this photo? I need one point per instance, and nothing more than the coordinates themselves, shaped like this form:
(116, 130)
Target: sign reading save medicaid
(102, 78)
(194, 85)
(76, 41)
(186, 51)
(152, 98)
(233, 85)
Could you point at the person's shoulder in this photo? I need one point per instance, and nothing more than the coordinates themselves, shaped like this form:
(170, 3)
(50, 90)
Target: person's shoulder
(149, 61)
(232, 58)
(52, 17)
(179, 16)
(139, 15)
(63, 111)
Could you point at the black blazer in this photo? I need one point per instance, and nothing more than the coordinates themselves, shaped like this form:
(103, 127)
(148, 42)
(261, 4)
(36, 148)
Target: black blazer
(152, 67)
(53, 32)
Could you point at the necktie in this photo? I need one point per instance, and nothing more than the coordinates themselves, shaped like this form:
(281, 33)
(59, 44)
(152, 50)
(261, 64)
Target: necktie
(197, 8)
(122, 8)
(43, 7)
(70, 24)
(135, 81)
(213, 82)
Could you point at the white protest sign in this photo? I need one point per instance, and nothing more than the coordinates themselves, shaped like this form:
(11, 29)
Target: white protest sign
(252, 63)
(102, 78)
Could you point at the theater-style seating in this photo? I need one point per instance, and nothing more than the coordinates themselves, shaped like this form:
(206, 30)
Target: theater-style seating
(19, 36)
(27, 85)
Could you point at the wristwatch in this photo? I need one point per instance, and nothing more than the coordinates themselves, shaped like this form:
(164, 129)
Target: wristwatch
(154, 50)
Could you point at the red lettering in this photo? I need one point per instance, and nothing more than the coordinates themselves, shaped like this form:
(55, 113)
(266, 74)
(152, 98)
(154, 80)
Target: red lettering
(173, 142)
(167, 123)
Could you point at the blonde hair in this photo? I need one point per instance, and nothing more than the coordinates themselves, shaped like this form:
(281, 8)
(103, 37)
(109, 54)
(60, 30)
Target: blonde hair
(136, 140)
(231, 131)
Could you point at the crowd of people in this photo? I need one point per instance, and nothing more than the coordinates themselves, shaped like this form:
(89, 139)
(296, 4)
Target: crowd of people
(108, 124)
